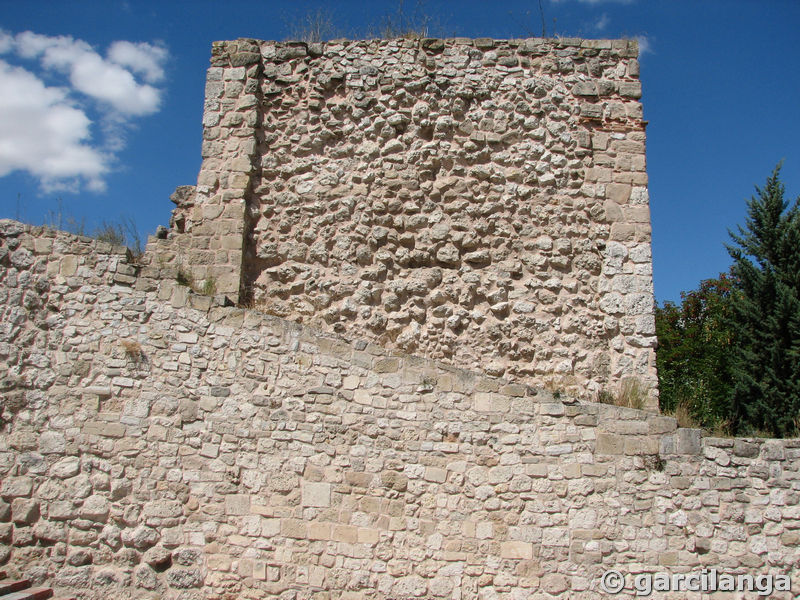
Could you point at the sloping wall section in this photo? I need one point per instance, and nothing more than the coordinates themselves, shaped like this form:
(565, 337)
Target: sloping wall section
(479, 202)
(156, 445)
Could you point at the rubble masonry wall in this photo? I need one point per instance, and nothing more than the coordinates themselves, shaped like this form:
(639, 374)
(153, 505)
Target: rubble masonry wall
(155, 444)
(479, 202)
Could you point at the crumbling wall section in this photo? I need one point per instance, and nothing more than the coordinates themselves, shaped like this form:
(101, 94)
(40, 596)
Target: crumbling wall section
(210, 223)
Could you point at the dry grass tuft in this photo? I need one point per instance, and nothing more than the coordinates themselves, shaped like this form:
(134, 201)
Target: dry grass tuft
(133, 350)
(684, 416)
(631, 394)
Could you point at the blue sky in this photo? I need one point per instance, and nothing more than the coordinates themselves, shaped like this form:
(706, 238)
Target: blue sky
(101, 103)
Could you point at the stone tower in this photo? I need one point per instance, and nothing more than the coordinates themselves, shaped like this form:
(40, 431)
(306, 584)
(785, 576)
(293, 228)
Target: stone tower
(479, 202)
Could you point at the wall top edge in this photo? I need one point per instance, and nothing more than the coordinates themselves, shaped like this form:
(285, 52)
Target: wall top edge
(625, 48)
(10, 228)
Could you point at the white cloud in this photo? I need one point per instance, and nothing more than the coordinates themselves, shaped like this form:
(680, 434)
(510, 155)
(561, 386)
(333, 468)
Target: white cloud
(145, 59)
(6, 42)
(102, 79)
(47, 129)
(42, 132)
(645, 44)
(601, 23)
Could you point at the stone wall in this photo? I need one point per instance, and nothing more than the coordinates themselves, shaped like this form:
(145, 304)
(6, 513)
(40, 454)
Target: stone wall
(479, 202)
(158, 445)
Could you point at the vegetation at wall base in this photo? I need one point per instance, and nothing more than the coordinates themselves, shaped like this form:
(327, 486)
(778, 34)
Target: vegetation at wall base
(694, 342)
(631, 394)
(729, 355)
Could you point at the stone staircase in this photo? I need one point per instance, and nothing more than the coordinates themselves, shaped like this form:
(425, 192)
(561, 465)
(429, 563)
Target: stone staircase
(20, 589)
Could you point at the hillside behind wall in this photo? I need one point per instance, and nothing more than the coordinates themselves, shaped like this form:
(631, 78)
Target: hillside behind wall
(156, 445)
(479, 202)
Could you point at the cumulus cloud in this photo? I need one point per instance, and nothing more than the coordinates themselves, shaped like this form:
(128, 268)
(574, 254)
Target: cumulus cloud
(601, 23)
(645, 44)
(104, 79)
(48, 129)
(42, 132)
(141, 58)
(6, 42)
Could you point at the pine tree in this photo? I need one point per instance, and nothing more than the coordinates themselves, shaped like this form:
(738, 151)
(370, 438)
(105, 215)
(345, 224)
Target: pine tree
(765, 315)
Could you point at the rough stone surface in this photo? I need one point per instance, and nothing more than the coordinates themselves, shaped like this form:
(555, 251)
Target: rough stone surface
(471, 202)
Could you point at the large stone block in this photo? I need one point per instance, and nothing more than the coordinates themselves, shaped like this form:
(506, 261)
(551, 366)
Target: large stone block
(345, 533)
(95, 508)
(688, 441)
(516, 550)
(24, 511)
(491, 402)
(237, 504)
(315, 493)
(610, 443)
(15, 487)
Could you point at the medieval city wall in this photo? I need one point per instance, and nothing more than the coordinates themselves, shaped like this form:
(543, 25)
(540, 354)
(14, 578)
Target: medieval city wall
(478, 202)
(156, 444)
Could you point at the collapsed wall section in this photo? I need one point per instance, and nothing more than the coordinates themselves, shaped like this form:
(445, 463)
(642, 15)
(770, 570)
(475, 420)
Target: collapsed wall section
(158, 447)
(481, 202)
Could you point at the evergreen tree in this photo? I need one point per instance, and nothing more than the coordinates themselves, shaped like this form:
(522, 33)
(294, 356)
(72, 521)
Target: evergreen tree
(765, 315)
